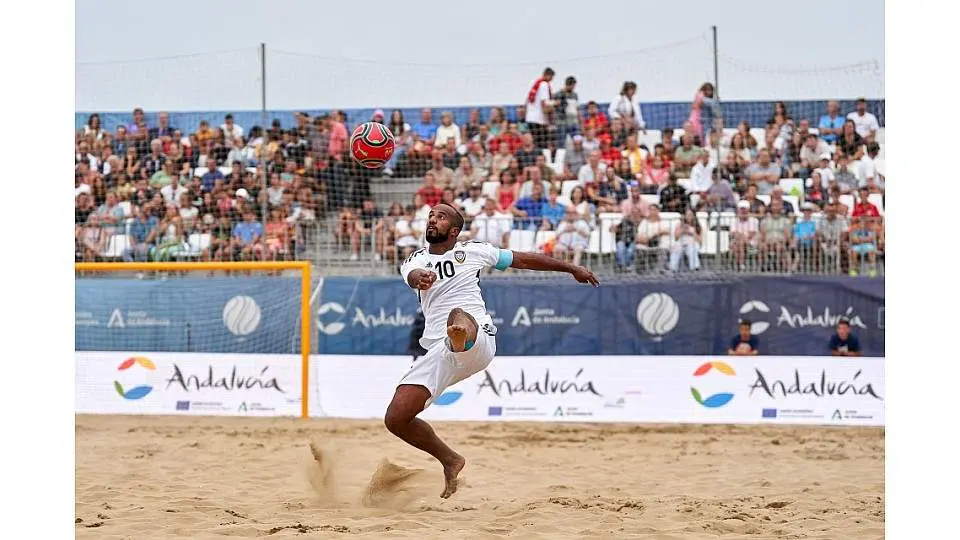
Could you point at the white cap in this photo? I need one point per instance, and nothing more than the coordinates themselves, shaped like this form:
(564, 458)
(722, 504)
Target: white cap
(809, 206)
(825, 157)
(743, 204)
(242, 193)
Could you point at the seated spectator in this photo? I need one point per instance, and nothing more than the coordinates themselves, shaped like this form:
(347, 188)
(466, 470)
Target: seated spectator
(189, 214)
(575, 158)
(491, 226)
(611, 191)
(277, 237)
(429, 191)
(481, 160)
(592, 170)
(553, 211)
(634, 156)
(635, 204)
(626, 233)
(474, 203)
(686, 156)
(657, 175)
(170, 235)
(511, 138)
(532, 175)
(764, 173)
(777, 196)
(546, 171)
(92, 240)
(595, 120)
(608, 152)
(866, 123)
(591, 143)
(465, 176)
(744, 234)
(83, 208)
(573, 235)
(652, 230)
(686, 241)
(508, 190)
(451, 155)
(721, 190)
(831, 124)
(110, 215)
(745, 343)
(448, 130)
(473, 126)
(673, 196)
(366, 224)
(701, 175)
(867, 172)
(528, 152)
(832, 232)
(529, 210)
(425, 129)
(863, 245)
(408, 232)
(849, 142)
(825, 172)
(448, 197)
(584, 208)
(864, 208)
(844, 176)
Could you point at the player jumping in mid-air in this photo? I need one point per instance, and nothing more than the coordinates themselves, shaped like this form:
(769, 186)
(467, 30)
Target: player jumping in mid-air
(459, 333)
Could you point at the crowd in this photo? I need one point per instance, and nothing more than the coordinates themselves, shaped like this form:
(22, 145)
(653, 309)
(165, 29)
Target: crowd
(796, 191)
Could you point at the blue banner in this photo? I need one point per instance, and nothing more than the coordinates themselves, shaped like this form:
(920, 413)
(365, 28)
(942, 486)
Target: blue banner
(224, 315)
(789, 315)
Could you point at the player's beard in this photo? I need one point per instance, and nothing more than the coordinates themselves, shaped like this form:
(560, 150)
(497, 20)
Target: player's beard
(436, 237)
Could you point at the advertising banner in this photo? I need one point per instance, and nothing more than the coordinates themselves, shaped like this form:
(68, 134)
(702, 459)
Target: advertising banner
(742, 390)
(187, 383)
(789, 315)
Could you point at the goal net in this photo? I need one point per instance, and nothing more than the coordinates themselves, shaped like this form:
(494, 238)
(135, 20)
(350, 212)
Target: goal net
(166, 338)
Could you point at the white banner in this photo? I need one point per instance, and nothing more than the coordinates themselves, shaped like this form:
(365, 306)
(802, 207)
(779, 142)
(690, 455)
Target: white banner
(790, 390)
(188, 383)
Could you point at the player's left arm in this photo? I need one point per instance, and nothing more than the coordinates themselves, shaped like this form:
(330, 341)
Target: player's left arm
(535, 261)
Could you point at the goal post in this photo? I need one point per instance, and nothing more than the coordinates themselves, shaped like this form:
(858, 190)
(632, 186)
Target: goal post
(205, 282)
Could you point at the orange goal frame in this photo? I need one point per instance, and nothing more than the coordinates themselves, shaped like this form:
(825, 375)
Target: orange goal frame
(301, 266)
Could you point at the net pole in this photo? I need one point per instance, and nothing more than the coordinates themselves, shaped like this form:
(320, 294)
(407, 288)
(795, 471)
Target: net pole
(263, 123)
(716, 96)
(305, 339)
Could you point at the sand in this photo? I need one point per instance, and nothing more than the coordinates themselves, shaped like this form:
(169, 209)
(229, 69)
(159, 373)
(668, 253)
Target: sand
(190, 477)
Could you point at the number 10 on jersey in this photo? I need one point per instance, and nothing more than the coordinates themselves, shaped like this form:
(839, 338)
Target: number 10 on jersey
(445, 269)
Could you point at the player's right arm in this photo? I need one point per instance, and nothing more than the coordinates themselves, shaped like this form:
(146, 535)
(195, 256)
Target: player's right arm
(416, 278)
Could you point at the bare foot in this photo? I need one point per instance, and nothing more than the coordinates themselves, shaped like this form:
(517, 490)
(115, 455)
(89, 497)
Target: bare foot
(458, 337)
(450, 472)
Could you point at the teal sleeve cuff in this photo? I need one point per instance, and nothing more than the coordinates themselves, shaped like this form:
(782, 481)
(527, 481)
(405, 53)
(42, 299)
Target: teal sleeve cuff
(505, 259)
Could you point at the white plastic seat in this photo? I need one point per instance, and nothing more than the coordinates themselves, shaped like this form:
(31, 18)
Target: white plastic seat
(116, 246)
(607, 239)
(252, 170)
(651, 138)
(694, 200)
(765, 199)
(196, 244)
(686, 183)
(795, 201)
(814, 130)
(760, 134)
(791, 186)
(650, 199)
(558, 160)
(127, 209)
(567, 188)
(200, 171)
(489, 189)
(848, 200)
(523, 240)
(876, 199)
(225, 170)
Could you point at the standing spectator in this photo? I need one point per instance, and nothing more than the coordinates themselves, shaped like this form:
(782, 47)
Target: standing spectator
(866, 123)
(567, 117)
(625, 234)
(686, 241)
(764, 173)
(231, 130)
(744, 234)
(473, 126)
(673, 197)
(844, 343)
(573, 235)
(705, 111)
(745, 343)
(491, 226)
(448, 130)
(627, 107)
(164, 131)
(805, 236)
(338, 135)
(595, 119)
(831, 124)
(539, 103)
(775, 234)
(863, 245)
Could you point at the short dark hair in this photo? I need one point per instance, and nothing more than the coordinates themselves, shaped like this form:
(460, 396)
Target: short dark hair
(843, 321)
(861, 100)
(571, 80)
(873, 148)
(458, 219)
(745, 322)
(228, 117)
(548, 71)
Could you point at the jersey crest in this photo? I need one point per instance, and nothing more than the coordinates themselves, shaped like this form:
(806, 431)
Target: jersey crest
(460, 256)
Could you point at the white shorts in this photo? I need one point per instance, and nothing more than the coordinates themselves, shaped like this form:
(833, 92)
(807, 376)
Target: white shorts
(441, 368)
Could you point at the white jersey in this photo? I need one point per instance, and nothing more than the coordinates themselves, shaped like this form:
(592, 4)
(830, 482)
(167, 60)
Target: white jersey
(457, 285)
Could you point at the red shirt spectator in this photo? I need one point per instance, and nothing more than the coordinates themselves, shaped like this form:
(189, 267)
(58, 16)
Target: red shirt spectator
(608, 152)
(338, 136)
(596, 119)
(510, 137)
(864, 207)
(430, 193)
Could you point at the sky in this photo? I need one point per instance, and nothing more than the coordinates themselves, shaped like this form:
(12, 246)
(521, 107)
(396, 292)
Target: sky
(436, 52)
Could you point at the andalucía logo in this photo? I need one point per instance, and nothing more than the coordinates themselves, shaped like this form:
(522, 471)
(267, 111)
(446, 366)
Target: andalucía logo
(719, 399)
(137, 392)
